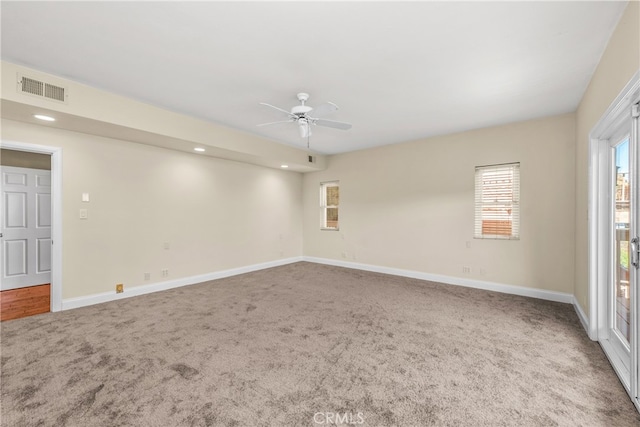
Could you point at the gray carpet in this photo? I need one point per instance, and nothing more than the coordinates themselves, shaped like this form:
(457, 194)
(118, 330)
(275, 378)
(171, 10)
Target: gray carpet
(298, 344)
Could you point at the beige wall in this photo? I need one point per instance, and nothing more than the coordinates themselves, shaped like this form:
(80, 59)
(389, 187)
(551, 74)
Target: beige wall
(98, 112)
(407, 206)
(411, 205)
(216, 214)
(23, 159)
(619, 63)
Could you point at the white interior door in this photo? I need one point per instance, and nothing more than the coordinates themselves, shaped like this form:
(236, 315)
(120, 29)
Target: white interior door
(26, 227)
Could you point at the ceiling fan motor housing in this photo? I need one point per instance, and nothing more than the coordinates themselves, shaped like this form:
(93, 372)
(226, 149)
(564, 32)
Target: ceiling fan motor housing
(300, 110)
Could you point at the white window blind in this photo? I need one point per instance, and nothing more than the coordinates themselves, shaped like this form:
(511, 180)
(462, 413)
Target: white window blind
(497, 207)
(329, 202)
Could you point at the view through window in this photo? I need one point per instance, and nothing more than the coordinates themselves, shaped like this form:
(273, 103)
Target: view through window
(497, 202)
(329, 202)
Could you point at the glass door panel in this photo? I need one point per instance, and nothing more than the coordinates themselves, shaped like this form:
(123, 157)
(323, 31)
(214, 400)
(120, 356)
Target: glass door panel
(621, 246)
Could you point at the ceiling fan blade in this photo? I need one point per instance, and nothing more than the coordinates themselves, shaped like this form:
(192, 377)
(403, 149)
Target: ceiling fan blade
(279, 109)
(332, 124)
(323, 109)
(275, 123)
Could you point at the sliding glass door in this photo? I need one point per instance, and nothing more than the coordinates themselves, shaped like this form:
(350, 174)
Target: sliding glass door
(621, 256)
(614, 226)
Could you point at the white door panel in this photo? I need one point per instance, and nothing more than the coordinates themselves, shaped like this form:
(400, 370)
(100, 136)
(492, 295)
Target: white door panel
(16, 210)
(44, 180)
(15, 258)
(43, 253)
(15, 179)
(26, 227)
(43, 210)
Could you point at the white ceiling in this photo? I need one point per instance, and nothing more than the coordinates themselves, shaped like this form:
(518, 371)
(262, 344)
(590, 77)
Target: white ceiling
(399, 71)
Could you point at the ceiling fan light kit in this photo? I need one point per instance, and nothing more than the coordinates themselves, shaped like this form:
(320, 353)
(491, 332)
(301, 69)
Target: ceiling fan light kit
(305, 116)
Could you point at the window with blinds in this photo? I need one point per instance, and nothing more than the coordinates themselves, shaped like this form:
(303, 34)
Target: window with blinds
(497, 210)
(329, 202)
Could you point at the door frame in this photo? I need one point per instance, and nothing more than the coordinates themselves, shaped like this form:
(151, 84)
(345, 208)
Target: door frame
(56, 212)
(599, 235)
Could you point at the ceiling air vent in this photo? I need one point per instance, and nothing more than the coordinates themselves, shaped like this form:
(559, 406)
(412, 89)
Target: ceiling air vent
(41, 89)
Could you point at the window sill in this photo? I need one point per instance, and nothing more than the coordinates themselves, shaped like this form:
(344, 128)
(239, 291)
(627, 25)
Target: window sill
(496, 238)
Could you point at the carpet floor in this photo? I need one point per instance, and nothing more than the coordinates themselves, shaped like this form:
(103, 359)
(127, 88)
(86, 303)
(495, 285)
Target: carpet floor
(310, 345)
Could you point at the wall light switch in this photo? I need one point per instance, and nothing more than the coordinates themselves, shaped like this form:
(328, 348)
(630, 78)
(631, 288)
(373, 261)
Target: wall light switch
(85, 197)
(84, 214)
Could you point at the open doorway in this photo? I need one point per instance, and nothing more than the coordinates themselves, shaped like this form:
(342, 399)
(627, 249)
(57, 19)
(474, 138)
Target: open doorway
(25, 253)
(31, 229)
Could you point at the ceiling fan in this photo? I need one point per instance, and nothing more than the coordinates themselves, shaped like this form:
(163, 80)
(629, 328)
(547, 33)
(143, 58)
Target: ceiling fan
(305, 116)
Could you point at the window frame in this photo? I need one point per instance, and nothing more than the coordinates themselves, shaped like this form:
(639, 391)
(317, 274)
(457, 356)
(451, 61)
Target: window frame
(500, 204)
(324, 206)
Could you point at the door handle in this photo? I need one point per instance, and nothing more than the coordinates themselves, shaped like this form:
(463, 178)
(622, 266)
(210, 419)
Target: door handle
(635, 251)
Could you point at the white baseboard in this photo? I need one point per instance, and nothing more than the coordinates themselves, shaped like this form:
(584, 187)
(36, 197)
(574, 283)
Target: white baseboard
(70, 303)
(582, 316)
(450, 280)
(83, 301)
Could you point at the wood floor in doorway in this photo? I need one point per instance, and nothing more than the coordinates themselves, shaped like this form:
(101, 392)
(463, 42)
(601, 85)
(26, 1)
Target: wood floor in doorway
(23, 302)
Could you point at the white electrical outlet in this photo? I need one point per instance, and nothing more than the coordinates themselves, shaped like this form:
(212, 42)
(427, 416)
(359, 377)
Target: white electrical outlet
(466, 269)
(147, 276)
(165, 272)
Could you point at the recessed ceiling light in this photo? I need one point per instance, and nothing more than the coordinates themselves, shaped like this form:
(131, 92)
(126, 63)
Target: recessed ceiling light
(284, 166)
(199, 150)
(43, 117)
